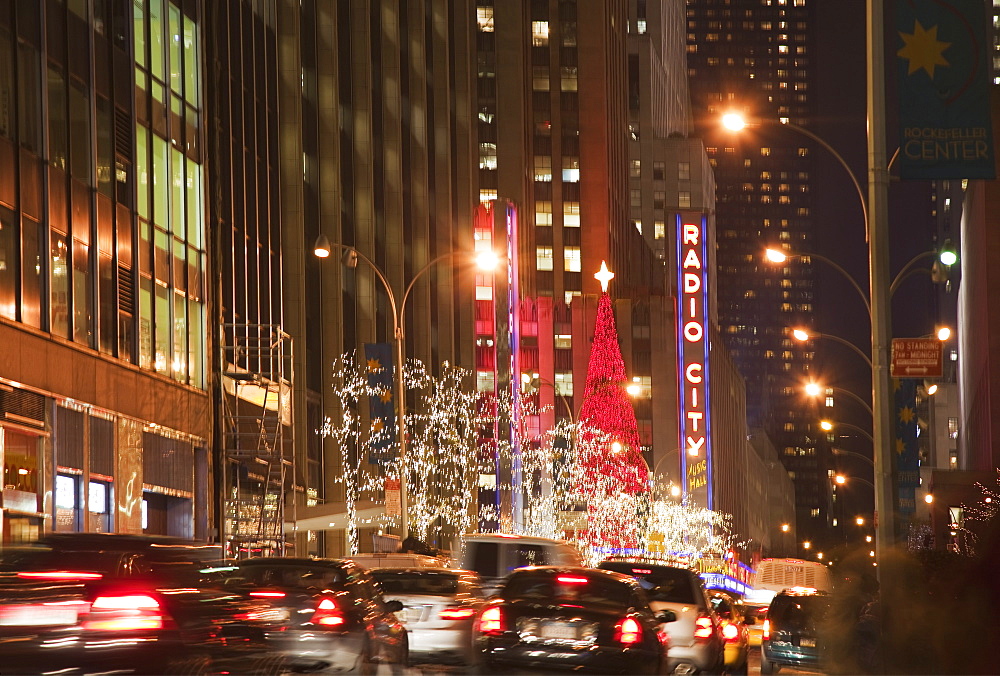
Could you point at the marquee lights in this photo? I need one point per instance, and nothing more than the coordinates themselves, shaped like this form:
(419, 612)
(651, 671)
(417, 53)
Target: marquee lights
(692, 347)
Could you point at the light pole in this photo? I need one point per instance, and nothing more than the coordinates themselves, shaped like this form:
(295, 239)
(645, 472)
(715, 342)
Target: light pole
(322, 249)
(841, 480)
(841, 451)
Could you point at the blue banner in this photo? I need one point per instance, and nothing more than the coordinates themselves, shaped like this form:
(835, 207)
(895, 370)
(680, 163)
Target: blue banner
(944, 90)
(381, 403)
(907, 454)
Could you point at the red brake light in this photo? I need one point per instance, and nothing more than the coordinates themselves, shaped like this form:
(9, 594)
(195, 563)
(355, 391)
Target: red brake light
(491, 621)
(124, 613)
(456, 613)
(59, 575)
(571, 579)
(730, 631)
(703, 627)
(628, 631)
(767, 630)
(642, 571)
(268, 594)
(327, 614)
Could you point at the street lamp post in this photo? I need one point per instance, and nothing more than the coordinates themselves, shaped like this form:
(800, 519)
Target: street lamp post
(816, 390)
(322, 249)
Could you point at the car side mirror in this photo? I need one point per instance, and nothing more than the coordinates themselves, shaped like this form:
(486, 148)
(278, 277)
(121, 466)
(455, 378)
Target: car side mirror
(393, 606)
(665, 616)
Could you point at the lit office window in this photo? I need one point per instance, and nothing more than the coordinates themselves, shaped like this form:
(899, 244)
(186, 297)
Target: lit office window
(571, 169)
(659, 230)
(568, 78)
(543, 213)
(571, 214)
(539, 33)
(564, 383)
(543, 258)
(684, 199)
(487, 155)
(571, 259)
(543, 168)
(484, 19)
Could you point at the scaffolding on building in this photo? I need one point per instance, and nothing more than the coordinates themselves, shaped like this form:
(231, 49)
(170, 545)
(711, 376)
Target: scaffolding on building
(258, 469)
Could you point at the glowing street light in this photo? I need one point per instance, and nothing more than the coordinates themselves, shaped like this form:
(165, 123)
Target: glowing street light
(860, 520)
(806, 544)
(785, 528)
(943, 333)
(814, 389)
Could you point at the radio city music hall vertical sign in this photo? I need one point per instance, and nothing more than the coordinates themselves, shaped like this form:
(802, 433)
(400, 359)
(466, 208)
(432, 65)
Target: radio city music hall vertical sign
(692, 358)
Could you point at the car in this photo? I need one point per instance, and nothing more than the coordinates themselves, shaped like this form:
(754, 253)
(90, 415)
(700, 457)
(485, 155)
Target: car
(337, 617)
(494, 555)
(567, 618)
(696, 643)
(733, 621)
(92, 602)
(440, 607)
(792, 631)
(756, 613)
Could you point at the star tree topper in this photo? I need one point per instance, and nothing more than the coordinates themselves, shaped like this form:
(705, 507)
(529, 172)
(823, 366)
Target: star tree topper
(604, 276)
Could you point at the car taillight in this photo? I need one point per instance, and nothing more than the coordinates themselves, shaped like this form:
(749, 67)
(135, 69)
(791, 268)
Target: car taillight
(328, 614)
(730, 631)
(628, 632)
(129, 612)
(268, 594)
(571, 579)
(703, 627)
(456, 613)
(59, 575)
(767, 630)
(491, 621)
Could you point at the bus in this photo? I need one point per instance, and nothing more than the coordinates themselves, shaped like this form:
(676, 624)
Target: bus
(777, 574)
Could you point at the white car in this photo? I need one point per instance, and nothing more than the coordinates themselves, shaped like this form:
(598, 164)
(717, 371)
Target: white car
(440, 608)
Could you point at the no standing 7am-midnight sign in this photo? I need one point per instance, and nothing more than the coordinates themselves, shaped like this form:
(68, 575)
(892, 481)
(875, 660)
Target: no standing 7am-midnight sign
(916, 358)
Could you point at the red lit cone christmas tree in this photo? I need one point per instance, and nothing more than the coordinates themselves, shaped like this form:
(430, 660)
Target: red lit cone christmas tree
(613, 470)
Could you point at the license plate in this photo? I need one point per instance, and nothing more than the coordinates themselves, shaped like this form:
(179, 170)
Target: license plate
(37, 615)
(559, 630)
(807, 642)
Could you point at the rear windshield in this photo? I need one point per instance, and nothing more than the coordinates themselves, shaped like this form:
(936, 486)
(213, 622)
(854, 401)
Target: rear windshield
(293, 576)
(662, 583)
(412, 582)
(797, 613)
(568, 589)
(191, 565)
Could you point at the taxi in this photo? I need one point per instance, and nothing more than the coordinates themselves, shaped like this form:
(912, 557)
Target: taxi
(733, 627)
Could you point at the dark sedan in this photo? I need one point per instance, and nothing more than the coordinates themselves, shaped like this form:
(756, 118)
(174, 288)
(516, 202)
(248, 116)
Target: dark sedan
(86, 603)
(573, 619)
(337, 618)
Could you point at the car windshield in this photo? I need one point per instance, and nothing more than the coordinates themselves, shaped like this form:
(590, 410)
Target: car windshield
(430, 583)
(567, 589)
(662, 583)
(292, 575)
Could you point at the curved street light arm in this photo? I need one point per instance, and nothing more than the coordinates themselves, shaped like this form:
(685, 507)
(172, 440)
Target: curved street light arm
(840, 451)
(856, 398)
(857, 478)
(905, 271)
(849, 344)
(413, 280)
(836, 266)
(830, 149)
(865, 433)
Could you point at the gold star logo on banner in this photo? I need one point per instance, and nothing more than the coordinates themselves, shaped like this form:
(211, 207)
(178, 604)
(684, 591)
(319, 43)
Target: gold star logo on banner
(374, 366)
(386, 396)
(378, 426)
(906, 414)
(900, 447)
(923, 50)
